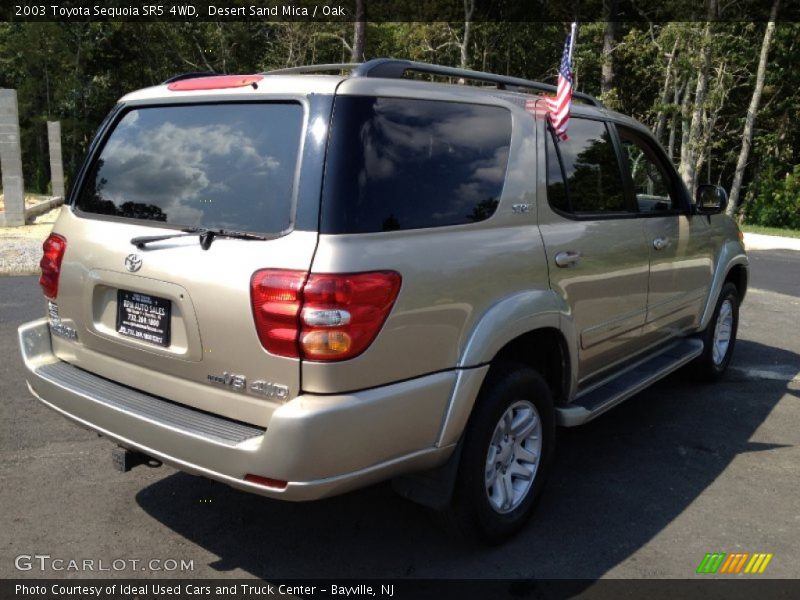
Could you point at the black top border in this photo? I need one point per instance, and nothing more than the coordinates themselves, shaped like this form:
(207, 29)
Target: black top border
(322, 11)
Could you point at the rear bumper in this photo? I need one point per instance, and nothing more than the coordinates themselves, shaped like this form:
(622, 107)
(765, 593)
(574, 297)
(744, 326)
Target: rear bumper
(320, 445)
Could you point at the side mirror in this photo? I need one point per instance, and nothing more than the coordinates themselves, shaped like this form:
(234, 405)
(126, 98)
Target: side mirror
(710, 199)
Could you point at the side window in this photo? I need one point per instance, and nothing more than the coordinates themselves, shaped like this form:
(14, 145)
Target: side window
(398, 163)
(651, 184)
(556, 188)
(593, 177)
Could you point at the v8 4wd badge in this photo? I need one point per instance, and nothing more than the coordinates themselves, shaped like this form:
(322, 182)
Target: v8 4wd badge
(239, 383)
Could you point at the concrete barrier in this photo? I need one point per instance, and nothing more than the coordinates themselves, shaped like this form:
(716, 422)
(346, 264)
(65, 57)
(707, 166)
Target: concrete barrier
(40, 208)
(11, 160)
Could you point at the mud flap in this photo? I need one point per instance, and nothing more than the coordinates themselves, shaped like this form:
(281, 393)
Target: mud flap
(433, 488)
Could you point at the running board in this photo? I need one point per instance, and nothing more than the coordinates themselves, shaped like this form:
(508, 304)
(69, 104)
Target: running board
(594, 401)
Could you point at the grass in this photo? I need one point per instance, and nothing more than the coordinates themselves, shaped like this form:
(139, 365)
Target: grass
(792, 233)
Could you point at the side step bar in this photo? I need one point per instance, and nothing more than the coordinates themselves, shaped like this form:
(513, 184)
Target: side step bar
(596, 400)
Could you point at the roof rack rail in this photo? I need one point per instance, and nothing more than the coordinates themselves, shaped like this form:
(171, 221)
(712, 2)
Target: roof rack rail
(394, 68)
(315, 68)
(191, 75)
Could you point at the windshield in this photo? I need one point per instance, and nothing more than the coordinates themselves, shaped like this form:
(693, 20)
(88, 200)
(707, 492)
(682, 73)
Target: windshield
(228, 166)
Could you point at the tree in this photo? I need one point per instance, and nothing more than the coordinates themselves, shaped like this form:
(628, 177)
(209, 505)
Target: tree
(692, 128)
(609, 38)
(469, 8)
(359, 32)
(752, 111)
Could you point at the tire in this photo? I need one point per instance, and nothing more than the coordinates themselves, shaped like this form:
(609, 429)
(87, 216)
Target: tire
(490, 504)
(717, 350)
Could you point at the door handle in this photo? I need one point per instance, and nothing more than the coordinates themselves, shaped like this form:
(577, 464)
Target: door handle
(568, 258)
(660, 243)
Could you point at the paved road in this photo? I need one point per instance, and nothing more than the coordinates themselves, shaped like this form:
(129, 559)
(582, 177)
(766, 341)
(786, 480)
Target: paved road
(644, 491)
(776, 271)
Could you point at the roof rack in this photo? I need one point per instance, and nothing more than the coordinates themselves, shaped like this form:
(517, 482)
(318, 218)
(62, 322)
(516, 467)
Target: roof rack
(393, 68)
(315, 68)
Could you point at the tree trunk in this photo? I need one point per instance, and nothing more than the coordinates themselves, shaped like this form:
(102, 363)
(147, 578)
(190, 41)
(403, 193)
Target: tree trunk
(609, 37)
(661, 120)
(679, 90)
(685, 128)
(469, 8)
(752, 111)
(710, 121)
(691, 141)
(359, 32)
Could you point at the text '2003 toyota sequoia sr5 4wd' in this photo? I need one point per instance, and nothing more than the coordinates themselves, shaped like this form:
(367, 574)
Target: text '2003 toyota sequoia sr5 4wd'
(300, 283)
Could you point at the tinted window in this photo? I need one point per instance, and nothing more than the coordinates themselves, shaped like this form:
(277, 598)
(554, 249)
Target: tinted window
(556, 190)
(222, 165)
(651, 184)
(404, 164)
(594, 182)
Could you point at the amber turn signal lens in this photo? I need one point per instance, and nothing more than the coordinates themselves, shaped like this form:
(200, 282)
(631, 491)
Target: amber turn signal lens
(326, 343)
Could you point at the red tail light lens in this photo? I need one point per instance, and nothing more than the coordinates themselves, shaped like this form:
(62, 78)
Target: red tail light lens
(277, 297)
(326, 317)
(54, 247)
(214, 82)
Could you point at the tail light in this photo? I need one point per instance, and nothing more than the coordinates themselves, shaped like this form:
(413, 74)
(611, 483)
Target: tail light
(277, 298)
(214, 82)
(325, 317)
(54, 247)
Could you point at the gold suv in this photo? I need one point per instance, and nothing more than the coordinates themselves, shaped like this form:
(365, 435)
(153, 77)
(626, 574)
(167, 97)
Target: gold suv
(306, 281)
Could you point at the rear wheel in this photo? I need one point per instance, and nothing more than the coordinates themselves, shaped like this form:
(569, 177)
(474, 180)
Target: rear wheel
(719, 338)
(507, 454)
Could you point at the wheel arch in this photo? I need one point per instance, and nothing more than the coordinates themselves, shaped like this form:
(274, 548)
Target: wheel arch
(545, 346)
(738, 276)
(434, 488)
(732, 265)
(544, 350)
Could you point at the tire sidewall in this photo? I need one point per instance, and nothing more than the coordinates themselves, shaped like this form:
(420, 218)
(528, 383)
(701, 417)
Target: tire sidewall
(730, 293)
(506, 385)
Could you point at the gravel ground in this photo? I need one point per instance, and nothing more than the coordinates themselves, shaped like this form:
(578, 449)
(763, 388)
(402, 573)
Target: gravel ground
(21, 247)
(20, 256)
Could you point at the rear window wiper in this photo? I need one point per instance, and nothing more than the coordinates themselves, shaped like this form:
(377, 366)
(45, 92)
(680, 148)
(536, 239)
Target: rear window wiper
(206, 236)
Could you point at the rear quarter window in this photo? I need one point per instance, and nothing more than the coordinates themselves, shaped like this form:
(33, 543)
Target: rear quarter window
(228, 166)
(396, 163)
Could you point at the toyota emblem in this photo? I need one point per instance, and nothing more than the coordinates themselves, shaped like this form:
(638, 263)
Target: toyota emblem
(133, 262)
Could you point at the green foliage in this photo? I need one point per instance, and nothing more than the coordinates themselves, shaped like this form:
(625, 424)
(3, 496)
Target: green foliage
(75, 72)
(792, 233)
(777, 203)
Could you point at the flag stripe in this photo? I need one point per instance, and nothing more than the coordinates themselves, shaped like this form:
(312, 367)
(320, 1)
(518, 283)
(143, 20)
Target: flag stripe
(559, 106)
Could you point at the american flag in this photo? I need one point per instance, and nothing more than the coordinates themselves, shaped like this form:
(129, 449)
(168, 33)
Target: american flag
(560, 105)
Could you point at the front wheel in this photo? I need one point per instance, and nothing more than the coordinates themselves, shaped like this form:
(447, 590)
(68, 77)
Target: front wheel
(508, 448)
(719, 337)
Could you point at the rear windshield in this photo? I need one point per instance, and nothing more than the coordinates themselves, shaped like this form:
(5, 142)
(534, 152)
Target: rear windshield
(397, 163)
(214, 165)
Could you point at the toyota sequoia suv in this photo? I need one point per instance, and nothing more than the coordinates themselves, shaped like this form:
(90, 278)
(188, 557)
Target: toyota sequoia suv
(306, 281)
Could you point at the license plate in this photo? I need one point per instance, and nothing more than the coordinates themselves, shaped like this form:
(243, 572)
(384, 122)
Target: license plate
(143, 317)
